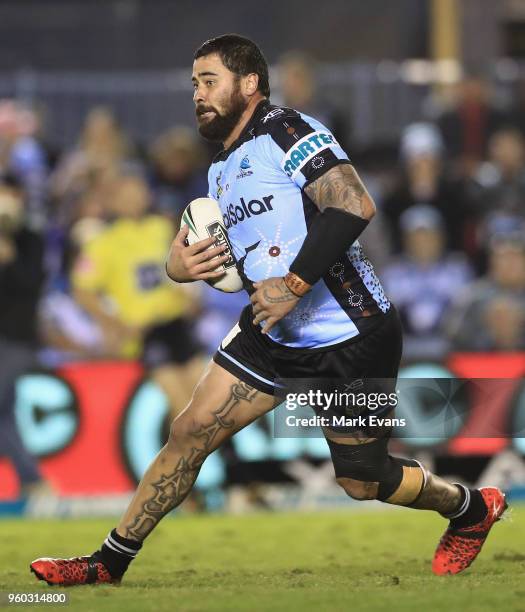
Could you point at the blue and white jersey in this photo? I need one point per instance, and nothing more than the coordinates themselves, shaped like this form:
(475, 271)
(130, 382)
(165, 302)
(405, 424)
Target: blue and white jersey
(259, 183)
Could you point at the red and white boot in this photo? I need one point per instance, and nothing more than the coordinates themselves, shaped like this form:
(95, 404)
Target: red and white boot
(458, 548)
(70, 572)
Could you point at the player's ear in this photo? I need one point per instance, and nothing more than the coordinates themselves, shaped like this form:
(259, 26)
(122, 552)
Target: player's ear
(251, 82)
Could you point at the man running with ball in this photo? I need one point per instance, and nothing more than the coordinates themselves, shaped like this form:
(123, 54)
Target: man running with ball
(294, 207)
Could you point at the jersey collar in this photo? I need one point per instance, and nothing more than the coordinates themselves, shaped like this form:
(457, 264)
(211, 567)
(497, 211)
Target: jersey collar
(247, 133)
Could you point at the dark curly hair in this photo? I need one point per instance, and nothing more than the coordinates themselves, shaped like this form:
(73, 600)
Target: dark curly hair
(240, 55)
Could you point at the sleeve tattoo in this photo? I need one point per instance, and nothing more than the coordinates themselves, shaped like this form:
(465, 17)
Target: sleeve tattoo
(340, 187)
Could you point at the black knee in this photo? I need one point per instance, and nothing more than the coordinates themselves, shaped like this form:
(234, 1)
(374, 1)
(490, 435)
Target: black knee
(367, 471)
(357, 489)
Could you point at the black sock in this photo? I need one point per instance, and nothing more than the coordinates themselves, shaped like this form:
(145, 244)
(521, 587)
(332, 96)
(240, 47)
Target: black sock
(117, 553)
(471, 510)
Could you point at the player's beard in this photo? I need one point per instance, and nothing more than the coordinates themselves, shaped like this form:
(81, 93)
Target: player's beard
(221, 126)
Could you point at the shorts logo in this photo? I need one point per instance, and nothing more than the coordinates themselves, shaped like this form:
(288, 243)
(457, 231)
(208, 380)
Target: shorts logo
(276, 112)
(244, 168)
(217, 231)
(305, 149)
(239, 213)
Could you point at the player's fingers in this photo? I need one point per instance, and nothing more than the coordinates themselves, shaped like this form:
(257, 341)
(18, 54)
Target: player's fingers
(211, 275)
(262, 316)
(181, 236)
(210, 265)
(270, 322)
(197, 247)
(208, 254)
(256, 308)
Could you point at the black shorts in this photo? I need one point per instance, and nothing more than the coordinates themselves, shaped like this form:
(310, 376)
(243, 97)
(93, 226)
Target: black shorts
(259, 361)
(171, 342)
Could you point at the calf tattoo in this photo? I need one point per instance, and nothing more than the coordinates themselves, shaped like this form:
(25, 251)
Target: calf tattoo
(438, 495)
(171, 489)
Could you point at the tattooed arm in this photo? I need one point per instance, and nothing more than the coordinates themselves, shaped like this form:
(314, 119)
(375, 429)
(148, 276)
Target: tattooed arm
(341, 188)
(346, 208)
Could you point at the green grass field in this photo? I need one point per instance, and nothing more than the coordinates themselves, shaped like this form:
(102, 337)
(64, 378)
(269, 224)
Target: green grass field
(323, 561)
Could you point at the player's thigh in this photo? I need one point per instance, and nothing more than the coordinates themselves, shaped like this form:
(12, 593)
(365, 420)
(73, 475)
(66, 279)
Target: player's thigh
(221, 405)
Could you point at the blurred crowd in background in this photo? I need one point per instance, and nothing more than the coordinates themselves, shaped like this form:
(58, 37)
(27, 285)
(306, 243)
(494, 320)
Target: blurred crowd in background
(84, 234)
(448, 242)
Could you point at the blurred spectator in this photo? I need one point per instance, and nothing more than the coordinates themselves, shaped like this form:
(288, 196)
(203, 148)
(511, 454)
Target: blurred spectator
(424, 182)
(120, 280)
(297, 88)
(490, 314)
(33, 123)
(99, 156)
(498, 191)
(68, 332)
(505, 321)
(376, 240)
(178, 171)
(89, 206)
(22, 156)
(467, 127)
(519, 105)
(423, 281)
(21, 277)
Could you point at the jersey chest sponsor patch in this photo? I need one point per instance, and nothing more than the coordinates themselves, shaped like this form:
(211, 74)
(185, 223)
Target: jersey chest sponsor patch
(244, 209)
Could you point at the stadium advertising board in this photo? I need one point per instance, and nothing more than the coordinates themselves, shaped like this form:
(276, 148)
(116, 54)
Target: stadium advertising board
(68, 414)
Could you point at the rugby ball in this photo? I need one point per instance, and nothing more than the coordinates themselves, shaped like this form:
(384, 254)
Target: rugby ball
(204, 219)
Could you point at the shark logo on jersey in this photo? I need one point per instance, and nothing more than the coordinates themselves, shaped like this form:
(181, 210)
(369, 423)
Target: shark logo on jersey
(244, 168)
(305, 149)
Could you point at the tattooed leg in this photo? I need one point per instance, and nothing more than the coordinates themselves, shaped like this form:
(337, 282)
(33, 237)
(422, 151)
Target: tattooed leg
(221, 406)
(438, 495)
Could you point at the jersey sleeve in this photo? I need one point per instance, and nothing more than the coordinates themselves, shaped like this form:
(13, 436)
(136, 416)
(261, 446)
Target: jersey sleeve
(303, 148)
